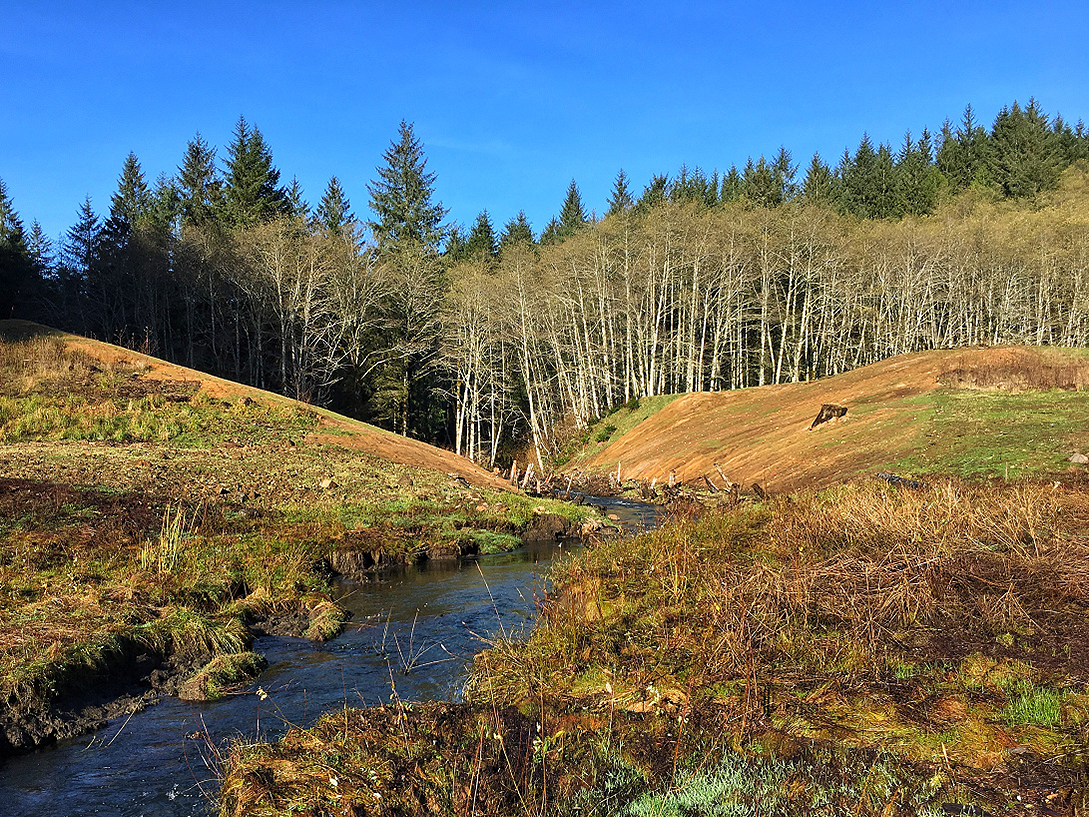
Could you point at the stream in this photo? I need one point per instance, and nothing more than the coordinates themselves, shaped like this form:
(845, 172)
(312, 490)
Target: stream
(413, 634)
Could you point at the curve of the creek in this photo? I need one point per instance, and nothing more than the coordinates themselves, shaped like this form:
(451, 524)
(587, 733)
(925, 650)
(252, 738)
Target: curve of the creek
(413, 634)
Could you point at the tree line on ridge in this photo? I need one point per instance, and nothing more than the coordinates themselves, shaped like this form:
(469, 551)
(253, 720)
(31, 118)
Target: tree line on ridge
(485, 340)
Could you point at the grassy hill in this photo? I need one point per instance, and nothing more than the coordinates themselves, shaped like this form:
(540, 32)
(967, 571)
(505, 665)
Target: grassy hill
(152, 517)
(1001, 411)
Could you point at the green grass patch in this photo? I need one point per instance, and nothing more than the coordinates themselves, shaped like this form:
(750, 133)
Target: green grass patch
(614, 425)
(1033, 705)
(979, 434)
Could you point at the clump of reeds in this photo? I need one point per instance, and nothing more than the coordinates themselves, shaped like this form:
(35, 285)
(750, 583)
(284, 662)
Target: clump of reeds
(166, 552)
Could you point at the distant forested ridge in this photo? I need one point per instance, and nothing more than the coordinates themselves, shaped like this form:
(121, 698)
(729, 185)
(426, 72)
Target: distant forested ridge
(485, 339)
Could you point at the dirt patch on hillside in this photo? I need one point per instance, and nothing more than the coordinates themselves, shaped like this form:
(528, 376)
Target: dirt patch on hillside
(377, 442)
(763, 434)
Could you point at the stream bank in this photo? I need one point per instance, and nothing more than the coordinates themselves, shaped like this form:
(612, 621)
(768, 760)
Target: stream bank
(413, 632)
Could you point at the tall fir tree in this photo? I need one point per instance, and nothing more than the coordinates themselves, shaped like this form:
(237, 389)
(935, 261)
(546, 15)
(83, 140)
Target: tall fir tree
(784, 170)
(481, 243)
(40, 247)
(1071, 142)
(80, 247)
(334, 213)
(818, 187)
(200, 189)
(732, 186)
(251, 191)
(620, 200)
(694, 186)
(916, 176)
(516, 232)
(572, 214)
(402, 196)
(653, 194)
(408, 228)
(16, 265)
(964, 157)
(552, 233)
(295, 205)
(456, 241)
(1025, 155)
(762, 183)
(132, 199)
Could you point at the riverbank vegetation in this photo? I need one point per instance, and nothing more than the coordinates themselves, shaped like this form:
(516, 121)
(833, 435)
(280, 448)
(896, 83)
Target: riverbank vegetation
(147, 526)
(861, 650)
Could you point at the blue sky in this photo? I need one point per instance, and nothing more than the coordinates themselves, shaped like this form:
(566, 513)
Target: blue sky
(511, 100)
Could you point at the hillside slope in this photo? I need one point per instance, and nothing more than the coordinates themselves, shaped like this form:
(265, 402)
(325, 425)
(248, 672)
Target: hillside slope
(1006, 411)
(332, 428)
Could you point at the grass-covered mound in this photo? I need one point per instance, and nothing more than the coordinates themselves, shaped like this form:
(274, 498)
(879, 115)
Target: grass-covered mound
(865, 650)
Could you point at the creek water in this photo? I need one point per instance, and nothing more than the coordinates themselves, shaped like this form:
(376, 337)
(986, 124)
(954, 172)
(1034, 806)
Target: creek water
(413, 634)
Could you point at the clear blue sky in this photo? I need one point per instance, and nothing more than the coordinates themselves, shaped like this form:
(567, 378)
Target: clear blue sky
(511, 100)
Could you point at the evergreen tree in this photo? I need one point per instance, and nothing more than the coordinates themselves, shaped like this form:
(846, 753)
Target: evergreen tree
(517, 231)
(295, 205)
(78, 258)
(1071, 144)
(456, 242)
(572, 214)
(164, 205)
(408, 229)
(251, 192)
(917, 178)
(783, 170)
(552, 233)
(80, 247)
(200, 189)
(40, 247)
(762, 184)
(694, 186)
(819, 184)
(401, 196)
(653, 194)
(132, 199)
(571, 219)
(482, 240)
(16, 264)
(620, 200)
(732, 186)
(964, 157)
(1025, 157)
(334, 213)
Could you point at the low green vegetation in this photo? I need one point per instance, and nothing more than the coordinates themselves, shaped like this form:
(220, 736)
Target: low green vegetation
(979, 434)
(221, 674)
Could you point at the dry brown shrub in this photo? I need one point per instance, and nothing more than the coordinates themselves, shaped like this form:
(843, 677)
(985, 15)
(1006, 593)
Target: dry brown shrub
(1031, 374)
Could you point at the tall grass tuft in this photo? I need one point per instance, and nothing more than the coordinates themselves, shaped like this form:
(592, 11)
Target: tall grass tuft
(166, 552)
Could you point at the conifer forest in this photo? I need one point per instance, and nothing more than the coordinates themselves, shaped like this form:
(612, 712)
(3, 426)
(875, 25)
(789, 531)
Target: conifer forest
(490, 339)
